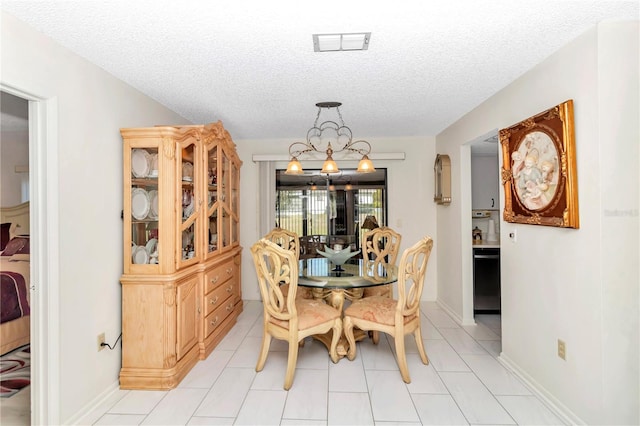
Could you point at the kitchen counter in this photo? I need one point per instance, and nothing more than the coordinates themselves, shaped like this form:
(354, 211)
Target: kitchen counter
(486, 244)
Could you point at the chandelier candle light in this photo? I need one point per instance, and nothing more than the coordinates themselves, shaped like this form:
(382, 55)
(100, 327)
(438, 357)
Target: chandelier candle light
(323, 135)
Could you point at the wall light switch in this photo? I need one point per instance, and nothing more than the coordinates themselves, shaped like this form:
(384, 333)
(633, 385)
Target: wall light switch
(513, 236)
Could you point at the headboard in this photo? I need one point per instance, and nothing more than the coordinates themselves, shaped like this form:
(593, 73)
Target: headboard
(18, 215)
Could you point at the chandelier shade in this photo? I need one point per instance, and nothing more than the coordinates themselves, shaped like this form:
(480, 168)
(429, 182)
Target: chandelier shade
(365, 165)
(320, 138)
(294, 167)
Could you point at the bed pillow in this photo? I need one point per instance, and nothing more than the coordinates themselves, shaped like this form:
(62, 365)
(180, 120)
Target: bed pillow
(4, 235)
(17, 245)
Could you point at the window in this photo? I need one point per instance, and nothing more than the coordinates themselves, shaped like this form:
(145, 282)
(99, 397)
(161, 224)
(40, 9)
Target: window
(330, 205)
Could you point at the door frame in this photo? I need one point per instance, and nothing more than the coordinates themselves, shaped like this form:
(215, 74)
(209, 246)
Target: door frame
(44, 269)
(468, 317)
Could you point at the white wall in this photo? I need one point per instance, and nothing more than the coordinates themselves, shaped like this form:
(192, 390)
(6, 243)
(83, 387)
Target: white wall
(410, 188)
(91, 108)
(580, 286)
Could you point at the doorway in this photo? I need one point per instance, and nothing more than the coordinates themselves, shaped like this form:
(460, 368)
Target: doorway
(14, 146)
(43, 196)
(481, 188)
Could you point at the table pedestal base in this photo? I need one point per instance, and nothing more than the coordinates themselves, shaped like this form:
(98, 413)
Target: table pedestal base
(335, 298)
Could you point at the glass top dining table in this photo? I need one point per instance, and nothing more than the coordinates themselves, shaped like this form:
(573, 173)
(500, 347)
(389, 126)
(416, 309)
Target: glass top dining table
(334, 284)
(320, 273)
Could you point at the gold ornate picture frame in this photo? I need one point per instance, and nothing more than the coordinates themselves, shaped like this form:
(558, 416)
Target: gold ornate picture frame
(539, 169)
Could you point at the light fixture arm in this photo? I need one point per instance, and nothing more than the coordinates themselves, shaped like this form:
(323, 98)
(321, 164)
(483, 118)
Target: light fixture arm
(295, 152)
(297, 149)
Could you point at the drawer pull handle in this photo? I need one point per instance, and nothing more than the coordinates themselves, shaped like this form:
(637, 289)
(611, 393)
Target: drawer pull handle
(229, 271)
(213, 322)
(214, 300)
(229, 307)
(214, 280)
(229, 289)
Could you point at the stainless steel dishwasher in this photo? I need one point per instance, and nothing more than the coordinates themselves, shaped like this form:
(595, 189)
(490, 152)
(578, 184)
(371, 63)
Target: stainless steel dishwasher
(486, 280)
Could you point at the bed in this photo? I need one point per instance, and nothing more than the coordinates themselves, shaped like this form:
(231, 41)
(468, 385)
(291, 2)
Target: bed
(14, 277)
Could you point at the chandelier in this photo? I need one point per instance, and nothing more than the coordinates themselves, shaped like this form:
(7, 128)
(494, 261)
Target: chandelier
(319, 139)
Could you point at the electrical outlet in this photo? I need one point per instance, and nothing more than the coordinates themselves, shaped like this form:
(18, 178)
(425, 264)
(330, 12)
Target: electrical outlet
(562, 349)
(100, 342)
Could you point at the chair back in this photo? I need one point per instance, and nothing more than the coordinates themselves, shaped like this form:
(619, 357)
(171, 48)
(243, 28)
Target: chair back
(288, 240)
(411, 271)
(381, 245)
(274, 266)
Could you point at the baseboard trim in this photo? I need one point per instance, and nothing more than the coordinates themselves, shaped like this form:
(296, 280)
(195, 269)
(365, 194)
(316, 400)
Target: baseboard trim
(457, 318)
(557, 407)
(94, 409)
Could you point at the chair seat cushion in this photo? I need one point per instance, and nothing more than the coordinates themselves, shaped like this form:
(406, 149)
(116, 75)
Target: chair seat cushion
(379, 309)
(310, 313)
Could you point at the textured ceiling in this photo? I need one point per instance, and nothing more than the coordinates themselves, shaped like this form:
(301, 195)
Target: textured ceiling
(251, 64)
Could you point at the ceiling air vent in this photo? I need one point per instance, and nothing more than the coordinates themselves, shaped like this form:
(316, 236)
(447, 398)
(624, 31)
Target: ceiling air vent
(338, 42)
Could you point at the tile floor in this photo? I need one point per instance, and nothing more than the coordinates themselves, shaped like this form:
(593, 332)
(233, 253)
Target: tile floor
(463, 384)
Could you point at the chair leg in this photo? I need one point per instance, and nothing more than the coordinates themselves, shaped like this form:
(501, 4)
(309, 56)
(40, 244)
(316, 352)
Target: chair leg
(402, 357)
(375, 336)
(264, 351)
(292, 359)
(417, 334)
(337, 332)
(348, 332)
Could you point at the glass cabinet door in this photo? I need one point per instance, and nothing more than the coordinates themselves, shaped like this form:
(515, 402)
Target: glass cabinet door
(235, 195)
(188, 199)
(222, 198)
(225, 195)
(144, 209)
(211, 224)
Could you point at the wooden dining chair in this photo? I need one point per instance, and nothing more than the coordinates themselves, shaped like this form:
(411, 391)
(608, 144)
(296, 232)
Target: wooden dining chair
(288, 240)
(396, 317)
(287, 317)
(381, 245)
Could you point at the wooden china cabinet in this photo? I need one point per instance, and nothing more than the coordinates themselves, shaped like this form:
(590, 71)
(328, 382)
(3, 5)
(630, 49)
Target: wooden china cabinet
(181, 289)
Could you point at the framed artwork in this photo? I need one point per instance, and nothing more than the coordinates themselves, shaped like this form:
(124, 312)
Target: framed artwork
(539, 169)
(442, 180)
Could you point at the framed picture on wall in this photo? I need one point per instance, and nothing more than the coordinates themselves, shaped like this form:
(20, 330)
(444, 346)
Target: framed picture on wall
(442, 180)
(539, 169)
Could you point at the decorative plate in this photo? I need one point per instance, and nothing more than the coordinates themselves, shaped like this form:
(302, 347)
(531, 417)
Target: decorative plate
(140, 203)
(140, 162)
(139, 255)
(152, 246)
(154, 209)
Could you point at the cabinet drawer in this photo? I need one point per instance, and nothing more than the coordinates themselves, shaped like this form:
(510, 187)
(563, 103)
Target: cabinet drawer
(216, 317)
(217, 297)
(218, 275)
